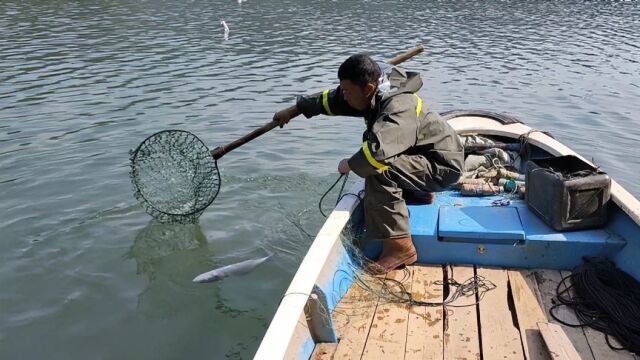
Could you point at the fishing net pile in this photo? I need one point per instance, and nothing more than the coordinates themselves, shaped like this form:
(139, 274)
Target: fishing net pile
(174, 176)
(492, 167)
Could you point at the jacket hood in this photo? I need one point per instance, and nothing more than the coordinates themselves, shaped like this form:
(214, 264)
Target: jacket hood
(394, 80)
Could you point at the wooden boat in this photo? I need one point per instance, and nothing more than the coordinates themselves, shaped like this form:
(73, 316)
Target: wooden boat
(324, 315)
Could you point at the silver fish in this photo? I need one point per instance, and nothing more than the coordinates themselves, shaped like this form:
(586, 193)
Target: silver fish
(240, 268)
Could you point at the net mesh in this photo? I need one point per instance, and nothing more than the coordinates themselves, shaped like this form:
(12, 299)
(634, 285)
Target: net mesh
(174, 176)
(395, 290)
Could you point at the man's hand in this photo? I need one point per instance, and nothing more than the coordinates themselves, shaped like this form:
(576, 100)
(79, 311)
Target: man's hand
(283, 116)
(343, 166)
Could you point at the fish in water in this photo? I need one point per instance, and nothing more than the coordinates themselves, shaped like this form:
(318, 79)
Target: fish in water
(233, 269)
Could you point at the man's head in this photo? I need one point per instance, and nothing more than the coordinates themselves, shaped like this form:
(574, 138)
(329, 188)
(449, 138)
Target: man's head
(359, 80)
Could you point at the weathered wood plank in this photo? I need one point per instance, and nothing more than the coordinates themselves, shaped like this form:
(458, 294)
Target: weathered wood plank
(461, 335)
(527, 302)
(558, 343)
(324, 351)
(388, 333)
(425, 334)
(598, 344)
(500, 337)
(547, 283)
(352, 318)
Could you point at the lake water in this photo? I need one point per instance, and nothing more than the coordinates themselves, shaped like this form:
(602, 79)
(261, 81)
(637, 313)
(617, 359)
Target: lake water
(83, 271)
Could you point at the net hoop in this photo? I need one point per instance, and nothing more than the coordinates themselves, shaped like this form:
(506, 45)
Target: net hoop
(151, 208)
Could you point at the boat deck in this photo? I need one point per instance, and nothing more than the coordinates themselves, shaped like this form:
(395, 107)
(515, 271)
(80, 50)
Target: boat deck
(509, 322)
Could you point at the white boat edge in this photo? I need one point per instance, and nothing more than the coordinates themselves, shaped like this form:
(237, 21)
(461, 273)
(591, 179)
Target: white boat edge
(286, 333)
(288, 337)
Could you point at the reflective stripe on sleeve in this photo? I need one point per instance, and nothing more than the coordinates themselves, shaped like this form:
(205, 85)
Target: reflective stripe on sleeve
(325, 102)
(372, 161)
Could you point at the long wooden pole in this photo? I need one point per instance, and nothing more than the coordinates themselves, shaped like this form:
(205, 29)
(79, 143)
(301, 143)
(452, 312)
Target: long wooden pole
(219, 152)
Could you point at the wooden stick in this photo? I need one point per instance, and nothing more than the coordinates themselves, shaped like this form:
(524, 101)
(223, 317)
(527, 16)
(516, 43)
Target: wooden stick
(407, 55)
(219, 152)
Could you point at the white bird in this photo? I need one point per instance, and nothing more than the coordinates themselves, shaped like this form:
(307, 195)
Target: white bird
(226, 30)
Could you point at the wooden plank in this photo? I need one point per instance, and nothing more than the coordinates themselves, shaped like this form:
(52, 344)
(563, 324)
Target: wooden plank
(547, 283)
(500, 337)
(461, 335)
(324, 351)
(425, 333)
(389, 329)
(598, 343)
(558, 343)
(526, 299)
(352, 318)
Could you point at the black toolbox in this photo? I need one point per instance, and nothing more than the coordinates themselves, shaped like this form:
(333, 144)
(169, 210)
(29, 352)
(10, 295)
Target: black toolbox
(567, 193)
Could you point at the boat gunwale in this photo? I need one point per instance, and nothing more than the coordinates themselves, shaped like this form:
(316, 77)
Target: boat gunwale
(276, 341)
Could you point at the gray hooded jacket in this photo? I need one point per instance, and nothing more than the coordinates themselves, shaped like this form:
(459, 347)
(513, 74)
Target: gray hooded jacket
(396, 125)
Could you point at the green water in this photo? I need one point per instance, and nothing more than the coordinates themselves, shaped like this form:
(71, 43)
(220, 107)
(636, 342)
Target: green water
(83, 271)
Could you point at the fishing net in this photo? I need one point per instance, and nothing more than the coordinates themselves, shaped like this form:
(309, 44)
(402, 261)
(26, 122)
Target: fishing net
(174, 176)
(393, 290)
(397, 290)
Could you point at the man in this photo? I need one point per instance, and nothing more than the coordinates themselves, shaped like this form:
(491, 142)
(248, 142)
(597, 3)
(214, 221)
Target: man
(407, 152)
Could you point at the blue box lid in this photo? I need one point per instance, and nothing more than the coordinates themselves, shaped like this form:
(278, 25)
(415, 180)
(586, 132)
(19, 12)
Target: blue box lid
(480, 222)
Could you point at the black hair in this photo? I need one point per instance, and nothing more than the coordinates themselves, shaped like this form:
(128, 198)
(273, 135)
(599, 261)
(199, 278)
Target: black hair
(359, 69)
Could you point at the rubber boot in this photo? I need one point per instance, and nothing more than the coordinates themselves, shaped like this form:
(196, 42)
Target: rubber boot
(396, 252)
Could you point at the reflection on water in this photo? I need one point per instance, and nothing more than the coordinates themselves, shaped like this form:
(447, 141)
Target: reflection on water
(162, 252)
(157, 244)
(166, 254)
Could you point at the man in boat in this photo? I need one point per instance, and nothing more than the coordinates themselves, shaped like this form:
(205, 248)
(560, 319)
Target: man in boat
(407, 154)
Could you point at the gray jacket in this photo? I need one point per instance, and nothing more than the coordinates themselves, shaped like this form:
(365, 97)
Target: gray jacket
(396, 125)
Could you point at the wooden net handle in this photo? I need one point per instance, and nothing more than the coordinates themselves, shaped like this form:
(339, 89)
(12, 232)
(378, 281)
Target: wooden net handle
(219, 152)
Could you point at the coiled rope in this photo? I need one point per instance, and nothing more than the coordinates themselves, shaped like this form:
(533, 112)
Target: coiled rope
(604, 298)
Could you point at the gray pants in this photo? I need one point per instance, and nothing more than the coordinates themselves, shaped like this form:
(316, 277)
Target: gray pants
(385, 211)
